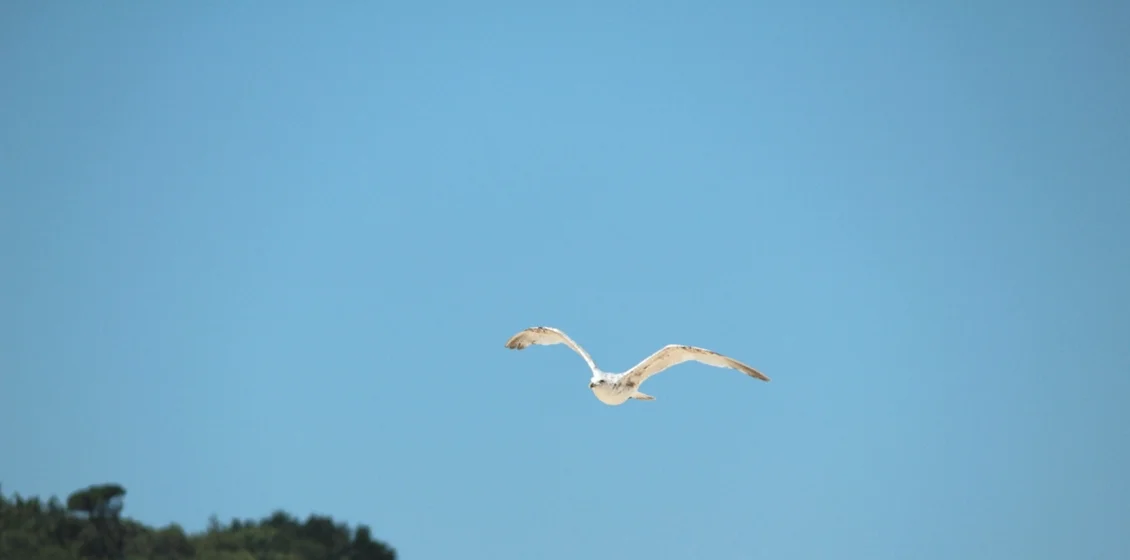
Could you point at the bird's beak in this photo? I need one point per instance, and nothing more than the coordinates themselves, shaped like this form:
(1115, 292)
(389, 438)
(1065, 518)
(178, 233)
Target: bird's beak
(591, 384)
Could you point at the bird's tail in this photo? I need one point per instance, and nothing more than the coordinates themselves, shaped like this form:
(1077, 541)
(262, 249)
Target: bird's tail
(642, 397)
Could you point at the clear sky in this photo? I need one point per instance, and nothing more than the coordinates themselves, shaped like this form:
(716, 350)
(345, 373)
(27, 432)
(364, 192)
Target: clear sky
(265, 255)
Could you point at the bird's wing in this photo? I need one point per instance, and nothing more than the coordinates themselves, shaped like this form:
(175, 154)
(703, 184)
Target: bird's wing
(674, 354)
(546, 336)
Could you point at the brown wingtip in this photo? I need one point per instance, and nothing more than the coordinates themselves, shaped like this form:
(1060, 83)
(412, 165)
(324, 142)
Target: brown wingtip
(758, 375)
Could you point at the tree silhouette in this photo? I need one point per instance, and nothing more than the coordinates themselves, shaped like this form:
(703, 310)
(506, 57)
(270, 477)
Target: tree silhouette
(98, 501)
(91, 527)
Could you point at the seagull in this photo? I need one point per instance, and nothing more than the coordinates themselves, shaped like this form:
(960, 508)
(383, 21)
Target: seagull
(615, 389)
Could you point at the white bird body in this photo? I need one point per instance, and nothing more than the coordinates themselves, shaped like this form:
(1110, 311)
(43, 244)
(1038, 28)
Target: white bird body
(617, 388)
(608, 391)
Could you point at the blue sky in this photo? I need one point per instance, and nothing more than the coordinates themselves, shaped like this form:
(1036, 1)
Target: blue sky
(266, 255)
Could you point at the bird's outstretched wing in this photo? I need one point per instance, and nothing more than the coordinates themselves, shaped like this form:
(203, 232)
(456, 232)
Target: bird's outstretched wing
(546, 336)
(674, 354)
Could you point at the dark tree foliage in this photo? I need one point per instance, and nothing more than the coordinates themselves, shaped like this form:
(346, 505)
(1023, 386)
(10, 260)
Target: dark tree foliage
(90, 526)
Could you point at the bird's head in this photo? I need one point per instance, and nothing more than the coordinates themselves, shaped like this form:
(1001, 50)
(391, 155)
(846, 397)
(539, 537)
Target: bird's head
(597, 382)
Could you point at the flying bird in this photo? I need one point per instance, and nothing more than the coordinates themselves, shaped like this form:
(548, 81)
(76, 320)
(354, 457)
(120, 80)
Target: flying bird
(616, 388)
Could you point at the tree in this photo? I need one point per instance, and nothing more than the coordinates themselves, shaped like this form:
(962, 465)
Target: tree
(91, 527)
(101, 505)
(101, 500)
